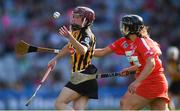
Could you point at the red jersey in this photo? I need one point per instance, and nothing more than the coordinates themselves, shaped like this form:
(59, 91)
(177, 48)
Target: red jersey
(138, 51)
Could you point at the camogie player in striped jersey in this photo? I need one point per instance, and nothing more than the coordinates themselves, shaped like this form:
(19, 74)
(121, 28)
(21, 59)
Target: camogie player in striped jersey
(150, 87)
(81, 46)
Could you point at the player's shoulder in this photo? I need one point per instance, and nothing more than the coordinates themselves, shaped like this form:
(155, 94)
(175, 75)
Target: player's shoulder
(141, 40)
(87, 32)
(121, 40)
(146, 40)
(87, 36)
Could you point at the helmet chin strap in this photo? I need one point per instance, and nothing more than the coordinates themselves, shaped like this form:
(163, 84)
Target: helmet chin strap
(75, 27)
(126, 33)
(127, 36)
(84, 22)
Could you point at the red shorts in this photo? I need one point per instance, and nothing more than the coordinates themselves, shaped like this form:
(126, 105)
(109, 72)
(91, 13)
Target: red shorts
(156, 87)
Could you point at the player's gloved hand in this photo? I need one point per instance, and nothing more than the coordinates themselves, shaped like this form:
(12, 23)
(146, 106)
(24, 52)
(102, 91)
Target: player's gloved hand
(52, 63)
(124, 72)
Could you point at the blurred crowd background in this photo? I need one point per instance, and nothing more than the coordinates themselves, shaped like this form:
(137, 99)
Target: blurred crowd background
(32, 21)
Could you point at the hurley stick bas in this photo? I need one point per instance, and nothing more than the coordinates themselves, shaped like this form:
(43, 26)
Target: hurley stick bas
(23, 48)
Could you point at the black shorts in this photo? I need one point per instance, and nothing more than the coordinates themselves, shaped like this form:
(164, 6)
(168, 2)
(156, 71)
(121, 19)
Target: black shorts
(88, 88)
(175, 88)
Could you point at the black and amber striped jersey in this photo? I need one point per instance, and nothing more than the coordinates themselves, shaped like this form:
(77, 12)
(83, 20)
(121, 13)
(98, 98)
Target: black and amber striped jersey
(86, 38)
(173, 67)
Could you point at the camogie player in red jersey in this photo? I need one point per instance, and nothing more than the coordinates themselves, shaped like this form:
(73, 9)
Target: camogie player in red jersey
(150, 87)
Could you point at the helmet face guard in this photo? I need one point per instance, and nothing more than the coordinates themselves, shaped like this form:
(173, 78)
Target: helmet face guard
(131, 24)
(124, 29)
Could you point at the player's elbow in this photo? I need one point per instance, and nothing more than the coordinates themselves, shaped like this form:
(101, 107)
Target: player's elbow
(83, 51)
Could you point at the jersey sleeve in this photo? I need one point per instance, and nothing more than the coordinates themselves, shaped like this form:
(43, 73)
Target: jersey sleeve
(147, 48)
(116, 47)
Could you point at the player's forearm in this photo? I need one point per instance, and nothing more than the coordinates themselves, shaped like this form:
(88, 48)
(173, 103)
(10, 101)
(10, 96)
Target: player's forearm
(149, 66)
(64, 51)
(79, 47)
(102, 52)
(98, 52)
